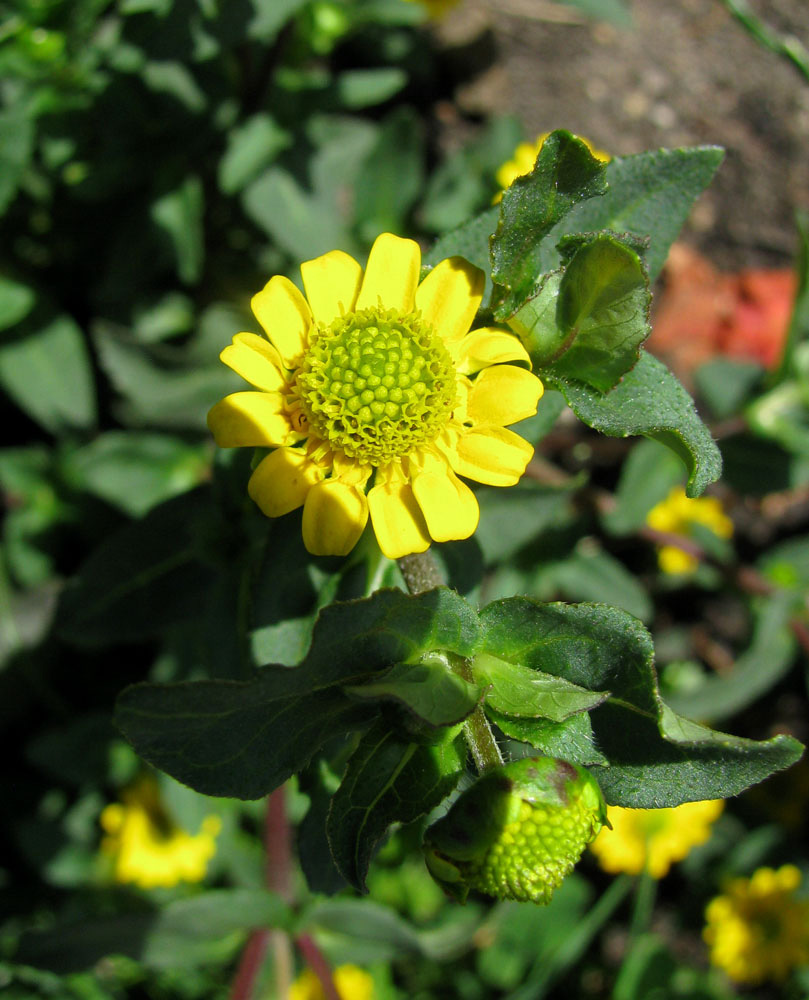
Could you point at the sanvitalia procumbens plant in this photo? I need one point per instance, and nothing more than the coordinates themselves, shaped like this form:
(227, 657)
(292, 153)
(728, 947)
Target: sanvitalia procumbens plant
(398, 689)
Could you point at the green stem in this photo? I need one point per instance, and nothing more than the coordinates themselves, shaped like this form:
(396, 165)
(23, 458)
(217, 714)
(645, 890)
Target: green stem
(644, 904)
(421, 572)
(787, 46)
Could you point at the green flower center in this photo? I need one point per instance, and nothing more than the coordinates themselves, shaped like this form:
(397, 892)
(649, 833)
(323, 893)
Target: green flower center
(377, 384)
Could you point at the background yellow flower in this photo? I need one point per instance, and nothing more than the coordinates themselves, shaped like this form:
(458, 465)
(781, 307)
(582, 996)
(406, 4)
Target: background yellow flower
(375, 398)
(759, 929)
(676, 515)
(350, 981)
(145, 846)
(652, 840)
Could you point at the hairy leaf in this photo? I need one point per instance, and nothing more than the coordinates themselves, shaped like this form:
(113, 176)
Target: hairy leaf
(570, 740)
(521, 692)
(429, 689)
(656, 758)
(650, 401)
(387, 781)
(565, 173)
(246, 738)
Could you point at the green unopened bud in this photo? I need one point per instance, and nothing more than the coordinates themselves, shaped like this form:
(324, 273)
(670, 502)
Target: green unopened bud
(517, 832)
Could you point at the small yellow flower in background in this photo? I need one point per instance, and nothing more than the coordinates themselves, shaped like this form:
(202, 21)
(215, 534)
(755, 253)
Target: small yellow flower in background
(145, 846)
(524, 158)
(650, 840)
(757, 929)
(351, 983)
(436, 8)
(675, 515)
(375, 398)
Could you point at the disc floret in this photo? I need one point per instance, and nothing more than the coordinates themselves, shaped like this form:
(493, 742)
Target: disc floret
(376, 384)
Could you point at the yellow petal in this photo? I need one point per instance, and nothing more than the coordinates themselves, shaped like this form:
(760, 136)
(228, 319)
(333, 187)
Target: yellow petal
(283, 312)
(397, 519)
(334, 517)
(488, 346)
(332, 283)
(281, 481)
(391, 275)
(492, 455)
(250, 419)
(448, 505)
(256, 360)
(450, 296)
(503, 395)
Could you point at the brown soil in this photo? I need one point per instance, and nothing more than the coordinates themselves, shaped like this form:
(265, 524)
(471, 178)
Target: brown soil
(685, 74)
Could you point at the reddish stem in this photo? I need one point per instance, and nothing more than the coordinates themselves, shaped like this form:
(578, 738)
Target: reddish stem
(318, 964)
(250, 964)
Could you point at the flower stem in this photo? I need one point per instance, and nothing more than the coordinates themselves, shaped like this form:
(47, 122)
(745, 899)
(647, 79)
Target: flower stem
(421, 572)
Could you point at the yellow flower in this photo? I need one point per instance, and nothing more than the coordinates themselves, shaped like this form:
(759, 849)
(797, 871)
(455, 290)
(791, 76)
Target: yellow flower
(651, 839)
(675, 515)
(351, 983)
(524, 158)
(372, 380)
(147, 849)
(757, 930)
(436, 8)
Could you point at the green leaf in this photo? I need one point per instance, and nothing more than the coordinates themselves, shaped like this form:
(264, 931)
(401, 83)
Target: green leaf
(363, 88)
(243, 739)
(367, 932)
(16, 301)
(565, 173)
(471, 241)
(387, 781)
(782, 414)
(649, 194)
(691, 763)
(647, 477)
(180, 213)
(649, 400)
(726, 384)
(591, 645)
(510, 519)
(766, 661)
(314, 854)
(656, 758)
(591, 574)
(270, 16)
(174, 78)
(250, 148)
(602, 314)
(135, 471)
(570, 740)
(17, 136)
(232, 738)
(182, 934)
(142, 579)
(47, 372)
(392, 176)
(521, 692)
(295, 219)
(429, 689)
(177, 395)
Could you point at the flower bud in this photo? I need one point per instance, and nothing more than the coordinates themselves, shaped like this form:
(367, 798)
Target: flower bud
(517, 831)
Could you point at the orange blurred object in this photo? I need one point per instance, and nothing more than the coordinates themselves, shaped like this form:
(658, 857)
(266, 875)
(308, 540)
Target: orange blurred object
(703, 313)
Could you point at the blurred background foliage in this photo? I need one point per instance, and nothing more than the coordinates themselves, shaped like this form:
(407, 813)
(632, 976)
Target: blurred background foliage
(159, 161)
